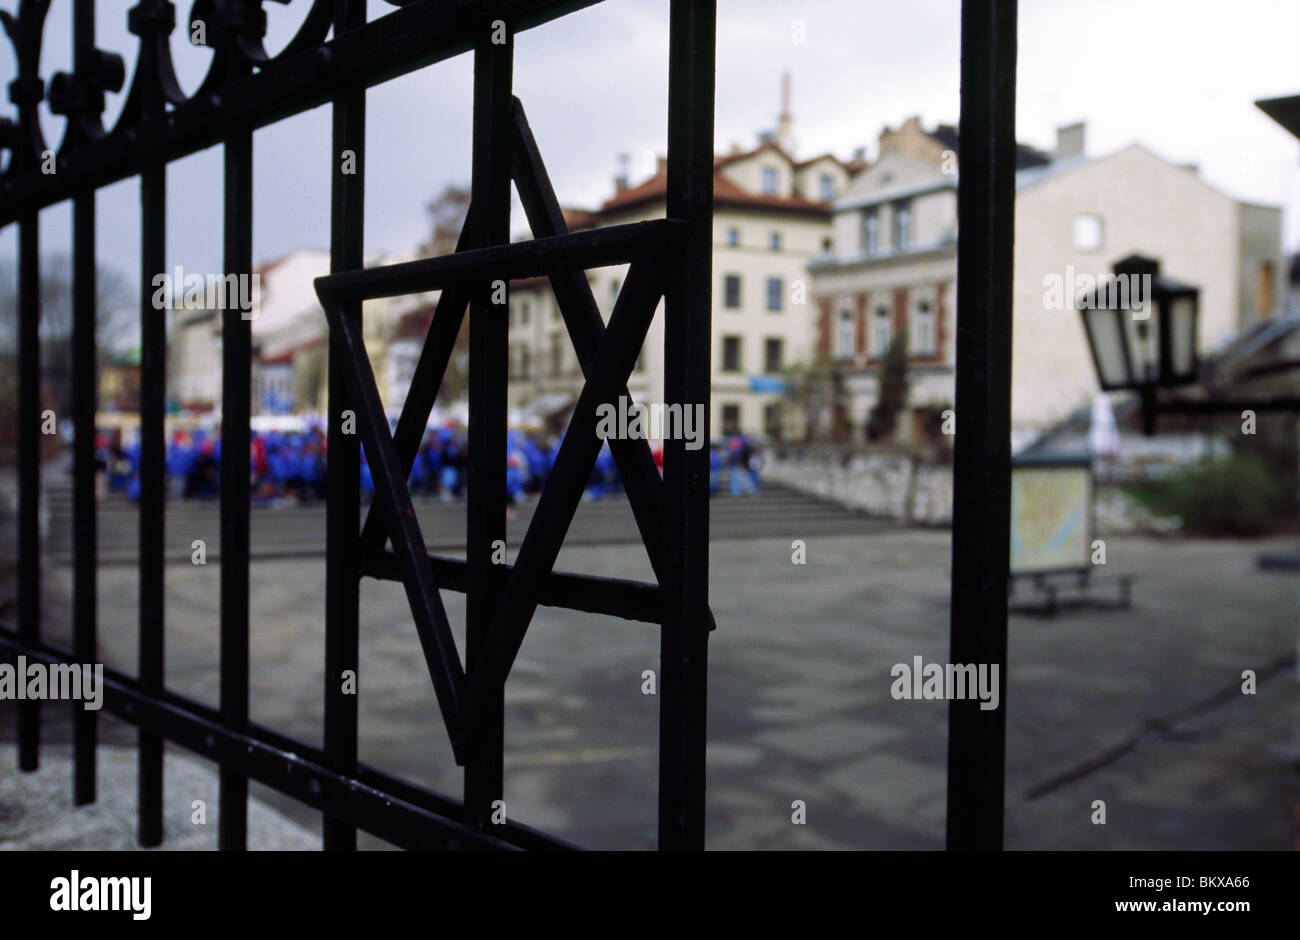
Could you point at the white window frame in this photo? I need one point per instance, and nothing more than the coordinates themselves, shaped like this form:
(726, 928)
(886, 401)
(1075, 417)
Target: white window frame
(845, 334)
(922, 334)
(881, 332)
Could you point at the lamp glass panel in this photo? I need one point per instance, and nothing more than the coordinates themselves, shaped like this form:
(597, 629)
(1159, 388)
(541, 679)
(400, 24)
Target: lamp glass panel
(1108, 346)
(1142, 327)
(1182, 338)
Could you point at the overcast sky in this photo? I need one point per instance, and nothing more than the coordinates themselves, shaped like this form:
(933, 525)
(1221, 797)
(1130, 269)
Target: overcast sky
(1180, 76)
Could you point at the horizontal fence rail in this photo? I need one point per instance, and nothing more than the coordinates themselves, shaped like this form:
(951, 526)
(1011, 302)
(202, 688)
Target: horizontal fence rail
(334, 57)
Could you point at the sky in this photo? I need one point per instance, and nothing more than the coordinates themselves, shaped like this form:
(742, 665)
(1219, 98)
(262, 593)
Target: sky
(1179, 76)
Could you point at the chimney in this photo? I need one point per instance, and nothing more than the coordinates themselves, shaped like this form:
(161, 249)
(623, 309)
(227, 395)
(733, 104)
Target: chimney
(903, 139)
(1069, 141)
(785, 121)
(620, 178)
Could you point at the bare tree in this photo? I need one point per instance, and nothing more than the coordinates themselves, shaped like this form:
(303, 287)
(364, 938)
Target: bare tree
(114, 318)
(447, 213)
(115, 306)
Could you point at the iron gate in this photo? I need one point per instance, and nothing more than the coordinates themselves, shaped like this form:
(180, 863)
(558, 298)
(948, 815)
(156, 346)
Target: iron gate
(246, 89)
(335, 56)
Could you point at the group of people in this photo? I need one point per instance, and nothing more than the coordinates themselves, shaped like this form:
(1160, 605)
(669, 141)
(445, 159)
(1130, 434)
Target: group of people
(289, 467)
(282, 466)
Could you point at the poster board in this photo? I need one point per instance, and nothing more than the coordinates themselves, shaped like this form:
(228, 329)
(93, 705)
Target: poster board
(1051, 515)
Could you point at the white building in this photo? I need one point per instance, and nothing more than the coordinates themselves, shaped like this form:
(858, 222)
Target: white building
(893, 265)
(771, 215)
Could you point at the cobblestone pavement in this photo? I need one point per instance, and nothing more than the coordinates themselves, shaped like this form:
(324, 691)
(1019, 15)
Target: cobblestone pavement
(1139, 708)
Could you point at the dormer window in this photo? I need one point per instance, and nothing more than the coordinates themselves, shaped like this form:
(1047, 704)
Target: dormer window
(826, 187)
(769, 181)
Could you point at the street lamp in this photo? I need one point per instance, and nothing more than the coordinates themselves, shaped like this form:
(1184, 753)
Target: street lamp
(1141, 328)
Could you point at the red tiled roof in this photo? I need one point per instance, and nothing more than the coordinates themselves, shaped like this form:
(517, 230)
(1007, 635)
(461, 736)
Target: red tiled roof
(730, 158)
(529, 283)
(725, 193)
(577, 219)
(821, 156)
(287, 355)
(414, 323)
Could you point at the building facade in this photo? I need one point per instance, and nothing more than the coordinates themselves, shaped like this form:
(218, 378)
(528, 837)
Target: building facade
(893, 264)
(771, 216)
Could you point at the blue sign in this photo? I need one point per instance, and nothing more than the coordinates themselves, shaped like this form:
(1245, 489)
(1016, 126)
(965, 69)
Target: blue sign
(766, 383)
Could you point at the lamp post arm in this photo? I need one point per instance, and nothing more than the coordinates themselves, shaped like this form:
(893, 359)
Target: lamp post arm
(1228, 405)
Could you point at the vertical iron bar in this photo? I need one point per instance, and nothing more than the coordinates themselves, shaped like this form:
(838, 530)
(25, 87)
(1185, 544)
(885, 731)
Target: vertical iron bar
(84, 727)
(236, 392)
(84, 394)
(29, 471)
(343, 496)
(687, 347)
(489, 225)
(153, 484)
(982, 458)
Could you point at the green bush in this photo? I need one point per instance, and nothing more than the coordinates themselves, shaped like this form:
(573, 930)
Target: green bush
(1237, 495)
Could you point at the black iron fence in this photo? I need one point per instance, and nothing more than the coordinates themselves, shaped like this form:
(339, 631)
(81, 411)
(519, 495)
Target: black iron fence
(335, 56)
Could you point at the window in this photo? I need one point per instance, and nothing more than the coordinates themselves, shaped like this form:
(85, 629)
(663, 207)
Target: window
(922, 332)
(1087, 233)
(556, 354)
(733, 237)
(844, 338)
(880, 332)
(827, 244)
(774, 241)
(772, 355)
(613, 293)
(902, 225)
(775, 288)
(523, 362)
(772, 420)
(769, 181)
(731, 291)
(731, 354)
(870, 231)
(730, 419)
(826, 187)
(523, 313)
(1264, 279)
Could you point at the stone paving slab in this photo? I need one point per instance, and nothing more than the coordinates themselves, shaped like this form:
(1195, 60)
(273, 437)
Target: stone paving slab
(36, 810)
(799, 700)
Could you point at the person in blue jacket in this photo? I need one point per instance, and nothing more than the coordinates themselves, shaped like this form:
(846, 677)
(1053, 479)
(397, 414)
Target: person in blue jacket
(367, 481)
(538, 465)
(430, 461)
(311, 471)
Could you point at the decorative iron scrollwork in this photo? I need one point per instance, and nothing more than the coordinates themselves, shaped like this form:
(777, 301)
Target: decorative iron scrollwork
(234, 30)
